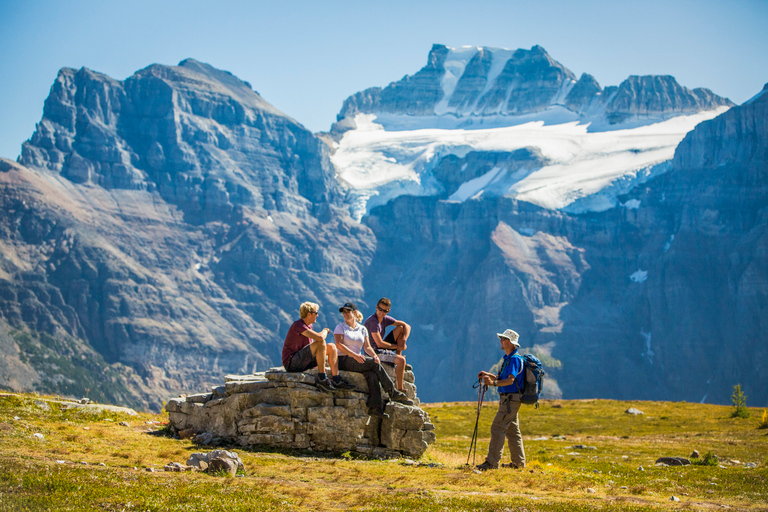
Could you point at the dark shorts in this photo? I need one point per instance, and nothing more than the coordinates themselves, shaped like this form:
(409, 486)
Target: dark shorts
(301, 360)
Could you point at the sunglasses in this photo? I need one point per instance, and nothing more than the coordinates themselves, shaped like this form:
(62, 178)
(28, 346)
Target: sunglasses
(382, 309)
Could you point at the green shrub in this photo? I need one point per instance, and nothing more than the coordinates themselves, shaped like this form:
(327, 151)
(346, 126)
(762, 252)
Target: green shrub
(739, 403)
(709, 459)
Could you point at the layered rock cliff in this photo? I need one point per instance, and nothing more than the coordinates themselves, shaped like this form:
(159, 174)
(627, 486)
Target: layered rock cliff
(662, 296)
(172, 223)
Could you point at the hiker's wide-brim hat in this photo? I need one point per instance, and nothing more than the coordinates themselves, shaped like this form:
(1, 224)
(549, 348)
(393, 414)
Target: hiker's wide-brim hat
(511, 336)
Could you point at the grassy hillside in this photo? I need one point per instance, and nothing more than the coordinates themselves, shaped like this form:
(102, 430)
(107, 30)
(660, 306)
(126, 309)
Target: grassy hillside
(62, 471)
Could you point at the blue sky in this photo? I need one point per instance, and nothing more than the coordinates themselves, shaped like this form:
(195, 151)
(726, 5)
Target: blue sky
(306, 57)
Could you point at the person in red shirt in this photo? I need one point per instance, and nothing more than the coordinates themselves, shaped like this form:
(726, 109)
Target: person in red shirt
(305, 348)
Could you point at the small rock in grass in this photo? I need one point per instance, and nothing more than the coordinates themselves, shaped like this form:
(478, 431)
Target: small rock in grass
(150, 470)
(124, 424)
(38, 435)
(710, 491)
(641, 468)
(102, 464)
(85, 401)
(750, 465)
(16, 418)
(222, 465)
(633, 411)
(695, 454)
(674, 498)
(673, 461)
(477, 471)
(623, 487)
(591, 490)
(734, 462)
(61, 462)
(83, 463)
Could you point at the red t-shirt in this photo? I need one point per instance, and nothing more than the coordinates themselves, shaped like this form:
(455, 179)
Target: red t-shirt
(294, 340)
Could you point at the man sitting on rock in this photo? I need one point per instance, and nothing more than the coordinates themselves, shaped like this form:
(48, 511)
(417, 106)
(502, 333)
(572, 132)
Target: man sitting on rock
(304, 349)
(389, 348)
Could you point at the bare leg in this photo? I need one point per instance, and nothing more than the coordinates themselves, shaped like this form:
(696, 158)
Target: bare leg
(397, 333)
(318, 349)
(333, 358)
(399, 372)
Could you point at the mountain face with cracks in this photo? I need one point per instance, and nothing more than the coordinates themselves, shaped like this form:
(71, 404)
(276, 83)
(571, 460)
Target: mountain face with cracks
(169, 224)
(161, 231)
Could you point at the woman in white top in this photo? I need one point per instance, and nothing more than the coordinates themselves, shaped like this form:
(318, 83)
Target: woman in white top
(357, 355)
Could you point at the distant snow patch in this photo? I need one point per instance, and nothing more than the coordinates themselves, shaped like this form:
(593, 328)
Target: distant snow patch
(473, 187)
(639, 276)
(649, 353)
(669, 243)
(632, 204)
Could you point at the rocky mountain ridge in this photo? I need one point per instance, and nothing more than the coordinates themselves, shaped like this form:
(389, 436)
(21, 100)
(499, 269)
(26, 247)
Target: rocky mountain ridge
(480, 81)
(161, 230)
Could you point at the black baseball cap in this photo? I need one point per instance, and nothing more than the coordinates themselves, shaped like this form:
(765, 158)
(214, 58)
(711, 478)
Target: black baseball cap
(348, 305)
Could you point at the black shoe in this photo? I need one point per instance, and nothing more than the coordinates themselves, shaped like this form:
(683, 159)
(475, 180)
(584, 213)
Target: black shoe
(373, 411)
(485, 466)
(343, 384)
(324, 384)
(402, 398)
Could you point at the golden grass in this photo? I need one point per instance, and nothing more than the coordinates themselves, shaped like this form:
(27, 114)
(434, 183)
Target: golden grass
(48, 474)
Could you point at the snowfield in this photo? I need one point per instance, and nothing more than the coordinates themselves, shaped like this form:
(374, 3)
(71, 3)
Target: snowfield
(587, 164)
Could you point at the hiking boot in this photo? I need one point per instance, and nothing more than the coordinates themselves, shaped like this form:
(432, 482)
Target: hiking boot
(401, 398)
(485, 466)
(324, 384)
(512, 465)
(343, 384)
(373, 411)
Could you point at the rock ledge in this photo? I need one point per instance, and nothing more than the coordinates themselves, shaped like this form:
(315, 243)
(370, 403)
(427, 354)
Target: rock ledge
(286, 410)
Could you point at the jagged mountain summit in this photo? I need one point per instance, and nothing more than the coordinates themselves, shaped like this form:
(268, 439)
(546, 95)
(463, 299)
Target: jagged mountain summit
(590, 144)
(166, 224)
(475, 81)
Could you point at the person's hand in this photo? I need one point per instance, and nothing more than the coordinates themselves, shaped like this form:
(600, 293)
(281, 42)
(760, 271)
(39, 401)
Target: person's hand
(359, 358)
(376, 358)
(487, 380)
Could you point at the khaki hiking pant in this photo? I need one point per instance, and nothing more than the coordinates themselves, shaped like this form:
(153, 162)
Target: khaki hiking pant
(506, 424)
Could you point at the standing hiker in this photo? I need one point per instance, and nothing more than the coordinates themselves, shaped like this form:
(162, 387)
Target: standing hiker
(389, 347)
(505, 424)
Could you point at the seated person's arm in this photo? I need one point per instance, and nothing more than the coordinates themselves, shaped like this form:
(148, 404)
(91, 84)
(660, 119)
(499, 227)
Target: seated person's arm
(381, 343)
(316, 336)
(369, 350)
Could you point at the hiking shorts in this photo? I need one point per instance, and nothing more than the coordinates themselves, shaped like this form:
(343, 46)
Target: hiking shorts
(301, 360)
(386, 356)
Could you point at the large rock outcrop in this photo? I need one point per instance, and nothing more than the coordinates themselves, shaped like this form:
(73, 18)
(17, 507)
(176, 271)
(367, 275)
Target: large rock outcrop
(286, 410)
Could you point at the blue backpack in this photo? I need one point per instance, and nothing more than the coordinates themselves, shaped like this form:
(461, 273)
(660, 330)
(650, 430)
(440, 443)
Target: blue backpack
(532, 382)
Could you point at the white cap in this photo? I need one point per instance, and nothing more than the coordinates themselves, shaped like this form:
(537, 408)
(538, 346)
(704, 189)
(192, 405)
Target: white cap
(511, 336)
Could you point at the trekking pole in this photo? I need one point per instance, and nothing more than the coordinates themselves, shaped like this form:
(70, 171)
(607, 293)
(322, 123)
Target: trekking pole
(473, 443)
